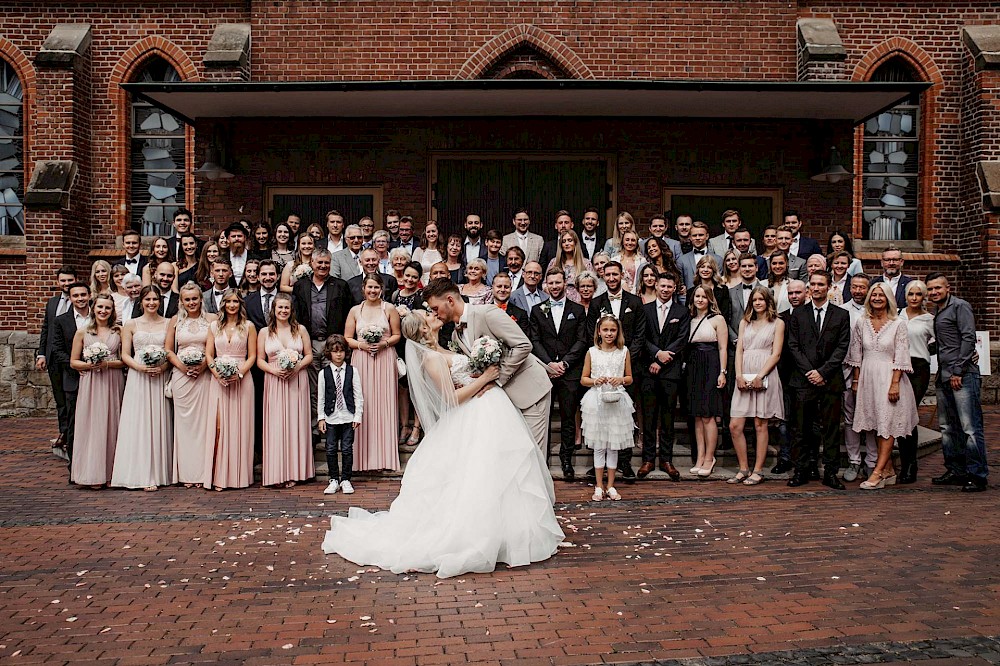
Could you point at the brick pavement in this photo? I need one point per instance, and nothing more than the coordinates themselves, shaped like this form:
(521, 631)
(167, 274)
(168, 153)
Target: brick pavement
(678, 571)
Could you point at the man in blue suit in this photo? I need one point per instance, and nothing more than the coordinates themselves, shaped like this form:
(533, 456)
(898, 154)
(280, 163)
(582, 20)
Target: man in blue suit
(802, 246)
(892, 274)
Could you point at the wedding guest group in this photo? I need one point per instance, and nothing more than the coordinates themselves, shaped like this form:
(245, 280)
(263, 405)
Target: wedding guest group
(260, 343)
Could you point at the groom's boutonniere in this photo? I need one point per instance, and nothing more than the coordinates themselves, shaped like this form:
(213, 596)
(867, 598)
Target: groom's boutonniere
(546, 307)
(453, 346)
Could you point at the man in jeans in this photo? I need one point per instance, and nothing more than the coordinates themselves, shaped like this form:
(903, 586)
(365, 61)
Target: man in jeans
(960, 412)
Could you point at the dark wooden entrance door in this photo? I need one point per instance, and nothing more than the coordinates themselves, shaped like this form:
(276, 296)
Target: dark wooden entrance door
(494, 188)
(756, 211)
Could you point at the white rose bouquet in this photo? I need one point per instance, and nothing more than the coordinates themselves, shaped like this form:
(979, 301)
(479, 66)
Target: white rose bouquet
(288, 359)
(191, 357)
(302, 271)
(151, 355)
(483, 353)
(371, 333)
(96, 353)
(226, 367)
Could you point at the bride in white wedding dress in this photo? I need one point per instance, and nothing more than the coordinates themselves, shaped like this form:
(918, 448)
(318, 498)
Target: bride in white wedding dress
(477, 491)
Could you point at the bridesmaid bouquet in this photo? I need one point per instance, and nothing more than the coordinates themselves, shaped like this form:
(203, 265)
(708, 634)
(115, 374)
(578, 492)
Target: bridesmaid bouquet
(302, 271)
(226, 367)
(371, 333)
(96, 353)
(191, 356)
(151, 355)
(483, 353)
(288, 359)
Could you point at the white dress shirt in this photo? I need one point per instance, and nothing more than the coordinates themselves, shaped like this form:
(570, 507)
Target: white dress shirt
(662, 308)
(132, 264)
(822, 312)
(472, 249)
(533, 297)
(590, 242)
(615, 300)
(238, 264)
(334, 247)
(80, 319)
(892, 283)
(557, 312)
(522, 241)
(794, 248)
(340, 414)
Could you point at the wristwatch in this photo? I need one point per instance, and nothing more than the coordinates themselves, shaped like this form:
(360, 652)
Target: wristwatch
(240, 375)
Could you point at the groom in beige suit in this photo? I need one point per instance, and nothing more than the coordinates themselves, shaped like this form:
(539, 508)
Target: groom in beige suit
(522, 375)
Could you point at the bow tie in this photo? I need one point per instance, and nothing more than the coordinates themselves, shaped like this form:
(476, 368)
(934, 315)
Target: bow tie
(461, 326)
(748, 286)
(131, 261)
(702, 252)
(557, 304)
(590, 238)
(219, 293)
(614, 298)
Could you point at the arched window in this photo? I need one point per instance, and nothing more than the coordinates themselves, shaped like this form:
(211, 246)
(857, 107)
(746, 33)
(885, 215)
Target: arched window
(11, 152)
(891, 163)
(157, 158)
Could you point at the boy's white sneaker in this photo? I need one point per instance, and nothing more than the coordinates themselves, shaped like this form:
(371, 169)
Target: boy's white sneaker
(346, 487)
(332, 488)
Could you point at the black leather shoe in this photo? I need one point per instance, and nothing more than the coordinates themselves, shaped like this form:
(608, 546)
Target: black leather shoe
(627, 473)
(798, 480)
(814, 474)
(908, 475)
(949, 478)
(831, 481)
(782, 467)
(974, 486)
(568, 473)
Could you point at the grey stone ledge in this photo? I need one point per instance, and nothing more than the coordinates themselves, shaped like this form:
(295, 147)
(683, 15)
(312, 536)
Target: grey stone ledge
(988, 174)
(229, 46)
(983, 41)
(820, 40)
(65, 43)
(50, 184)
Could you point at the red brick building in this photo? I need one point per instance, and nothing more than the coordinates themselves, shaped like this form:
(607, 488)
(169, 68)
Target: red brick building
(107, 110)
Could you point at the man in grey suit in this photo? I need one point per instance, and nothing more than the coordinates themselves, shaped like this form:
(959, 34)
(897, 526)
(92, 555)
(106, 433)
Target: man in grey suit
(658, 229)
(529, 294)
(222, 275)
(723, 242)
(796, 265)
(739, 295)
(346, 263)
(531, 243)
(688, 263)
(522, 376)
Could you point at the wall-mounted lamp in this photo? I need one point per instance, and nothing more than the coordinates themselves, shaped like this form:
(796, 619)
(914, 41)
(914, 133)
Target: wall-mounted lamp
(834, 171)
(212, 168)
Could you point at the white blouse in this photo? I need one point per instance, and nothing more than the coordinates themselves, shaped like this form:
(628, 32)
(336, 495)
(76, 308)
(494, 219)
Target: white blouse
(920, 330)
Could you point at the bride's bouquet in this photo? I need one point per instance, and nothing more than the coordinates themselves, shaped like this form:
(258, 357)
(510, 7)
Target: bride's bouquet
(371, 333)
(191, 357)
(288, 359)
(483, 353)
(302, 271)
(96, 353)
(226, 367)
(151, 355)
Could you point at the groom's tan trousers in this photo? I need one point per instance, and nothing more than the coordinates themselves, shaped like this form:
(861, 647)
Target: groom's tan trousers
(537, 418)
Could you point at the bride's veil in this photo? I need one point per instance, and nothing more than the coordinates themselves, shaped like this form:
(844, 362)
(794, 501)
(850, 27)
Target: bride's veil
(430, 383)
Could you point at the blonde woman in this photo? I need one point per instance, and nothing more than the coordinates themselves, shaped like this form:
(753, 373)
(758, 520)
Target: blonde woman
(431, 250)
(625, 222)
(731, 269)
(187, 336)
(475, 288)
(303, 255)
(569, 257)
(100, 278)
(920, 331)
(630, 259)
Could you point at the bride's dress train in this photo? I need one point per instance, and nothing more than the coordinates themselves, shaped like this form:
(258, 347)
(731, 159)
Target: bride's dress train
(477, 491)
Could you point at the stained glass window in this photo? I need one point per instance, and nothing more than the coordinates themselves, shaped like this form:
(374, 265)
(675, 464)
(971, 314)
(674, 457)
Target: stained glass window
(157, 158)
(891, 162)
(11, 152)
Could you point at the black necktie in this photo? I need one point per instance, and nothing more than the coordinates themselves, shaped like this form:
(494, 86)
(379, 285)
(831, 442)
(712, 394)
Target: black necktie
(819, 311)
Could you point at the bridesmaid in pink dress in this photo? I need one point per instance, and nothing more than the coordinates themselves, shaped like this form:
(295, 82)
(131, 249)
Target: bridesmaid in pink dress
(229, 459)
(100, 397)
(375, 441)
(287, 436)
(188, 334)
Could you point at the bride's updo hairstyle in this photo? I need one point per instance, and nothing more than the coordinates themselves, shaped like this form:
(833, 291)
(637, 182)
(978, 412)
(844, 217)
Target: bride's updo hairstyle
(412, 327)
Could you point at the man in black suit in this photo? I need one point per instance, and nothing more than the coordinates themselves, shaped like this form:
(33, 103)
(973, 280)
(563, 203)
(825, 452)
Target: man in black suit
(473, 246)
(44, 359)
(321, 305)
(627, 309)
(802, 246)
(66, 326)
(786, 365)
(668, 325)
(406, 239)
(564, 222)
(369, 266)
(183, 224)
(163, 279)
(258, 305)
(819, 339)
(133, 259)
(559, 338)
(501, 298)
(592, 236)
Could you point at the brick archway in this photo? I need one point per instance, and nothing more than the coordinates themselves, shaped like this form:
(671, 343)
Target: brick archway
(132, 61)
(524, 35)
(923, 64)
(26, 75)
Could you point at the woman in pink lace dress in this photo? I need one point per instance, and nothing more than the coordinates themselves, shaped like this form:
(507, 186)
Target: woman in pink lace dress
(187, 334)
(880, 356)
(229, 456)
(376, 440)
(287, 436)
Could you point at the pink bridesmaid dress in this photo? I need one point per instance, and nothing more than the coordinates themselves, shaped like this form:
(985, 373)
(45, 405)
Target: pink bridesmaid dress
(191, 401)
(376, 440)
(97, 414)
(287, 436)
(230, 423)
